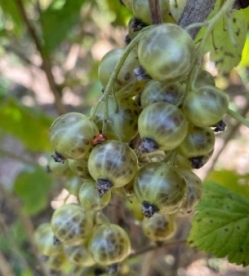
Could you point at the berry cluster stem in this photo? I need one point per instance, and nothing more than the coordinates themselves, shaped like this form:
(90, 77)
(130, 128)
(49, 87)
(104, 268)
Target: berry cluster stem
(109, 87)
(238, 117)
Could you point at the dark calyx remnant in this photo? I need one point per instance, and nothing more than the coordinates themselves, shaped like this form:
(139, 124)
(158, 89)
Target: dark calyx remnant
(58, 157)
(141, 74)
(197, 162)
(220, 126)
(104, 185)
(113, 269)
(148, 145)
(149, 209)
(56, 241)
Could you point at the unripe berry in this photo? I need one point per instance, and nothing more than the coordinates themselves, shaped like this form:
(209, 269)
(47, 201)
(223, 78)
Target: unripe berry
(166, 52)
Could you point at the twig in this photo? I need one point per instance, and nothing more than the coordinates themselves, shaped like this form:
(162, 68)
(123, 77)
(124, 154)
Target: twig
(238, 117)
(27, 223)
(17, 157)
(5, 268)
(155, 247)
(46, 66)
(155, 12)
(196, 11)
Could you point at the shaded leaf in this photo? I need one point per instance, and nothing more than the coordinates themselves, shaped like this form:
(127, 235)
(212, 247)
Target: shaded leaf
(25, 123)
(231, 180)
(32, 186)
(57, 20)
(224, 52)
(221, 223)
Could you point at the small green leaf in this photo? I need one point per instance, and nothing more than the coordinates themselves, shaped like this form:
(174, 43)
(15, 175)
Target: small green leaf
(221, 224)
(27, 124)
(57, 20)
(33, 186)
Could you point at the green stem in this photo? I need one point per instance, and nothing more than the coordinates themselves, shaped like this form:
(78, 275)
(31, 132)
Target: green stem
(238, 117)
(226, 7)
(109, 87)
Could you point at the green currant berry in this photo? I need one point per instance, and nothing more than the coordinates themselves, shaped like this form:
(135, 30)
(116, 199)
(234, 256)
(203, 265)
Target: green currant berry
(90, 198)
(109, 244)
(176, 8)
(73, 185)
(141, 10)
(79, 255)
(112, 164)
(159, 187)
(205, 106)
(71, 135)
(135, 26)
(161, 126)
(72, 224)
(166, 52)
(46, 241)
(204, 78)
(159, 227)
(56, 262)
(80, 167)
(156, 91)
(194, 189)
(200, 161)
(126, 77)
(124, 191)
(199, 141)
(122, 118)
(134, 206)
(100, 218)
(57, 169)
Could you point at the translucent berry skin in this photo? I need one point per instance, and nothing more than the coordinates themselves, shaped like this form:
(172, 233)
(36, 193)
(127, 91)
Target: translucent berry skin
(160, 185)
(163, 123)
(109, 244)
(79, 255)
(57, 262)
(57, 169)
(44, 239)
(114, 162)
(199, 141)
(159, 227)
(90, 198)
(166, 52)
(79, 167)
(204, 78)
(73, 185)
(176, 8)
(71, 135)
(194, 189)
(205, 106)
(141, 10)
(122, 118)
(125, 77)
(72, 224)
(156, 91)
(134, 206)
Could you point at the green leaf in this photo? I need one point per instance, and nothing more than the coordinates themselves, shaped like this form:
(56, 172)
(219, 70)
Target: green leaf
(221, 224)
(231, 180)
(227, 41)
(57, 20)
(30, 125)
(10, 8)
(32, 186)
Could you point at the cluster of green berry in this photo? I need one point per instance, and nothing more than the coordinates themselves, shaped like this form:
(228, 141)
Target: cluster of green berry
(151, 127)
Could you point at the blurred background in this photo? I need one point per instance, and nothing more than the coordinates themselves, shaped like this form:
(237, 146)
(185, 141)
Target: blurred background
(49, 56)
